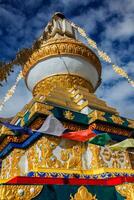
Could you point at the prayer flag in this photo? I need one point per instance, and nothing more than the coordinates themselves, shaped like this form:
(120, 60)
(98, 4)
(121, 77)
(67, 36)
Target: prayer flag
(101, 139)
(52, 126)
(123, 145)
(17, 128)
(82, 135)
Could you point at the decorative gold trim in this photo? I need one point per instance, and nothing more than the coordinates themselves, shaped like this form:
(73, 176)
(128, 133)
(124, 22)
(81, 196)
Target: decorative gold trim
(62, 46)
(45, 86)
(110, 129)
(126, 190)
(40, 108)
(83, 194)
(90, 100)
(18, 192)
(95, 169)
(117, 119)
(72, 126)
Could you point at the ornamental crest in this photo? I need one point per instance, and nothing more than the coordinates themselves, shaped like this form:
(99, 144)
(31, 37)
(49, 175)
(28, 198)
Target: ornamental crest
(83, 194)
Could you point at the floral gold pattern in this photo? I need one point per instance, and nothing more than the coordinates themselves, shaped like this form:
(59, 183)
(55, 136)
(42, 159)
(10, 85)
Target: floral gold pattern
(96, 115)
(68, 115)
(83, 194)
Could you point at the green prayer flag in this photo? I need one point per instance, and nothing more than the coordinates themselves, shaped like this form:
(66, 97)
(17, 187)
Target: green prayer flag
(101, 139)
(123, 145)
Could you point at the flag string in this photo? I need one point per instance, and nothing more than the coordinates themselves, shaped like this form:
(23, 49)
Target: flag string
(103, 55)
(11, 91)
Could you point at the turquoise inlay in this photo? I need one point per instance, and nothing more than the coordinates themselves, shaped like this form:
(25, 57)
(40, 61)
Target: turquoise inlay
(26, 117)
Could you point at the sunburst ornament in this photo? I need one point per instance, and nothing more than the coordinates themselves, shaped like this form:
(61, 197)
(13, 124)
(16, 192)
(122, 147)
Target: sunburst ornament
(68, 115)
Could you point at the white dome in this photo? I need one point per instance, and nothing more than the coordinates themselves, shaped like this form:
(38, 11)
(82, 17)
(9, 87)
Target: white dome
(63, 64)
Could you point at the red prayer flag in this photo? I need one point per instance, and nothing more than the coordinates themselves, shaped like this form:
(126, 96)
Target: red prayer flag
(81, 136)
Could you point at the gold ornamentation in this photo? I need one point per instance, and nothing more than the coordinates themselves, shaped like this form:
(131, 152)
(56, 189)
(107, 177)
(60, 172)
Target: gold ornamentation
(37, 123)
(96, 115)
(18, 192)
(62, 97)
(117, 119)
(73, 127)
(46, 154)
(45, 86)
(96, 103)
(62, 46)
(115, 159)
(68, 115)
(11, 138)
(40, 108)
(11, 163)
(126, 190)
(5, 131)
(95, 162)
(25, 108)
(83, 194)
(110, 129)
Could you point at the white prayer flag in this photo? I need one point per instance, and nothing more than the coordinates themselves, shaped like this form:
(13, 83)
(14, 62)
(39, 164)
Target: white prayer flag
(52, 126)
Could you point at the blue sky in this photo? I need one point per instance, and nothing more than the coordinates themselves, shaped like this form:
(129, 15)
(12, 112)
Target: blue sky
(109, 22)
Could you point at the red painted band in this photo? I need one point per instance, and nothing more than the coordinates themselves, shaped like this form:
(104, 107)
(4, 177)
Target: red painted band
(72, 181)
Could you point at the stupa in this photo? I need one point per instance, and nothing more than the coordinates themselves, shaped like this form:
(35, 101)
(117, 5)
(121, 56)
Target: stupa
(63, 73)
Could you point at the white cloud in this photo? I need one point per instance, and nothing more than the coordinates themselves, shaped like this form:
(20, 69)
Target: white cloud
(119, 96)
(116, 18)
(120, 29)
